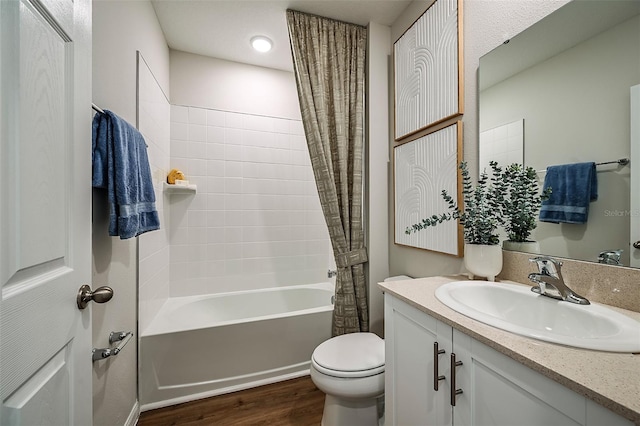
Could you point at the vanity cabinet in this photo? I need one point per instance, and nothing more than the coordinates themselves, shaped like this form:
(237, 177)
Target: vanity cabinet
(423, 358)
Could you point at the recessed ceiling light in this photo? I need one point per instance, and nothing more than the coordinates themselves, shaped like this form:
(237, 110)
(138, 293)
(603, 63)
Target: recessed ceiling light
(261, 43)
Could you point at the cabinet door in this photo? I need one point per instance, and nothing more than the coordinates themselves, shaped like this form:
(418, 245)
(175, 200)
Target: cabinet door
(410, 360)
(500, 391)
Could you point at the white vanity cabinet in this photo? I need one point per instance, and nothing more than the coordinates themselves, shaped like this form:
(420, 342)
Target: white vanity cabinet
(493, 389)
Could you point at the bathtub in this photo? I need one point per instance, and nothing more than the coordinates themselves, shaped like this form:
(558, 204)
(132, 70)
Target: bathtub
(202, 346)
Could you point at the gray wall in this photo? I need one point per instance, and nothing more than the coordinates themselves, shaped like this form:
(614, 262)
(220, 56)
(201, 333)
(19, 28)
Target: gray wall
(564, 125)
(486, 24)
(119, 29)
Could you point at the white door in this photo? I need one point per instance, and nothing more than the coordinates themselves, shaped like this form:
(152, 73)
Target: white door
(635, 177)
(45, 223)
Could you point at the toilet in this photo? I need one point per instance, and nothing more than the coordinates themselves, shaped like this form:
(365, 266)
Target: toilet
(349, 369)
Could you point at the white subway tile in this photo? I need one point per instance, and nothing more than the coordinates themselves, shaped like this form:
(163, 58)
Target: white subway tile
(179, 114)
(233, 136)
(197, 218)
(234, 153)
(215, 252)
(179, 148)
(281, 125)
(215, 235)
(235, 202)
(233, 235)
(234, 120)
(215, 151)
(197, 150)
(233, 251)
(233, 218)
(215, 118)
(257, 122)
(197, 116)
(180, 131)
(216, 201)
(215, 218)
(215, 134)
(197, 133)
(296, 127)
(234, 267)
(195, 167)
(215, 168)
(233, 185)
(233, 169)
(196, 236)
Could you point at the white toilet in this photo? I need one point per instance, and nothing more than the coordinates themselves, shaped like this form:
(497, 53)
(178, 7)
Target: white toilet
(349, 369)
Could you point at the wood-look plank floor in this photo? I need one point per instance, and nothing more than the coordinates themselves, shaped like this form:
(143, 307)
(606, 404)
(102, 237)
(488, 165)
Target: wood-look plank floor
(295, 402)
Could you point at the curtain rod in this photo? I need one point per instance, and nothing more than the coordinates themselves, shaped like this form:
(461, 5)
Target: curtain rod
(621, 161)
(97, 108)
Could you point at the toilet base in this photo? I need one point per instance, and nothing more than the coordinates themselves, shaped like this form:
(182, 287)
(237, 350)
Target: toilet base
(351, 412)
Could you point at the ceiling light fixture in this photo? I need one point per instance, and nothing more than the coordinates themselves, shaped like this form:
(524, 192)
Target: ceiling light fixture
(261, 43)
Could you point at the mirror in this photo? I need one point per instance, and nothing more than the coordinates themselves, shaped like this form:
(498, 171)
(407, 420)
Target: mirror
(568, 78)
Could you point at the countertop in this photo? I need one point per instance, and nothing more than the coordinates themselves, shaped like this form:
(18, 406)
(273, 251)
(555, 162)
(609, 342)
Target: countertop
(610, 379)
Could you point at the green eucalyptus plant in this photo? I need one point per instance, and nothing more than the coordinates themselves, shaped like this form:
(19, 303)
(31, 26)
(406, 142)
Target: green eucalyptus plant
(518, 198)
(481, 215)
(510, 199)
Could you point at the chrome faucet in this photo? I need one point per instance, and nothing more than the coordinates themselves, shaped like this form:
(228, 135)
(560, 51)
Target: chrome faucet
(610, 257)
(550, 282)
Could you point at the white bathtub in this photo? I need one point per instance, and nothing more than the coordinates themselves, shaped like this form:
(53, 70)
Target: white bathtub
(201, 346)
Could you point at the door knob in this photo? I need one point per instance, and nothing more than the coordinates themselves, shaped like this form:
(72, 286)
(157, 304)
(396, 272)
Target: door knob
(99, 295)
(636, 245)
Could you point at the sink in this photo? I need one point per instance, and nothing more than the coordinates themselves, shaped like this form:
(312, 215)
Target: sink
(517, 309)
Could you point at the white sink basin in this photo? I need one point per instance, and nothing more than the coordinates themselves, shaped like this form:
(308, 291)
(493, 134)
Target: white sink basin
(517, 309)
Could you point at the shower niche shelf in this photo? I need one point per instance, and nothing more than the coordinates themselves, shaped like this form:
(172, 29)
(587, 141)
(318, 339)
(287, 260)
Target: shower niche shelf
(180, 189)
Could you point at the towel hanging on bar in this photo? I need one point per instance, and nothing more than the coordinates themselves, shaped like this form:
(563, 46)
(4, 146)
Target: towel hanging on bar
(621, 161)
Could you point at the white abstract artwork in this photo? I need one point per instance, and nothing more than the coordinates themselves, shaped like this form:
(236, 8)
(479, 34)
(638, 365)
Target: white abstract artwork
(422, 169)
(427, 72)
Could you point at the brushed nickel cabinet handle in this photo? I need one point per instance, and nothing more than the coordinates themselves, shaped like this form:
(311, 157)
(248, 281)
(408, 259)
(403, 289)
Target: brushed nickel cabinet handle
(436, 370)
(454, 391)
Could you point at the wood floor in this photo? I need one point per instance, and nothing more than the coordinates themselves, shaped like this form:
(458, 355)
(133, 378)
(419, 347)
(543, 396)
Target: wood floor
(295, 402)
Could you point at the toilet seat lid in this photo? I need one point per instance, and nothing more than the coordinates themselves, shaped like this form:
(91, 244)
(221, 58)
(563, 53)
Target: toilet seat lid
(350, 355)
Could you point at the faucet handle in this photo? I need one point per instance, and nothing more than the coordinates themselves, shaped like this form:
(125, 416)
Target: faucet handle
(547, 265)
(611, 257)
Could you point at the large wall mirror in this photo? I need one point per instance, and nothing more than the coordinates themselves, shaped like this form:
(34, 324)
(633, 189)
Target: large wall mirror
(568, 80)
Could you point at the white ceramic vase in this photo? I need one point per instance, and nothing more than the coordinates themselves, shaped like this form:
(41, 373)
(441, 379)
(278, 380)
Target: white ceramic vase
(524, 247)
(483, 260)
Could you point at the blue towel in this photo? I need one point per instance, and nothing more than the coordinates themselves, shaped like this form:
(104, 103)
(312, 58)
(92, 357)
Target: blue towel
(121, 166)
(573, 187)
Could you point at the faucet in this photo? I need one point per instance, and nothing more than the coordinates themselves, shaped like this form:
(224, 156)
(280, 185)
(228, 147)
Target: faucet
(610, 257)
(550, 282)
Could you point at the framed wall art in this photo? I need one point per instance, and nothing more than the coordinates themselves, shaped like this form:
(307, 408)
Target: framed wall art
(428, 70)
(422, 169)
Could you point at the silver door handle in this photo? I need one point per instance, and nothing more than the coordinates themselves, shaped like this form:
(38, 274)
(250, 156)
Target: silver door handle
(636, 245)
(99, 295)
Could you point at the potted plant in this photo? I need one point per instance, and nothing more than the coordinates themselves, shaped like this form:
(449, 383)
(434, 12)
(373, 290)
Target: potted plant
(480, 219)
(518, 198)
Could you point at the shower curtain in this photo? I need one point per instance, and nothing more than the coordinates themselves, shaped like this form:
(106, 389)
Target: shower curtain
(329, 63)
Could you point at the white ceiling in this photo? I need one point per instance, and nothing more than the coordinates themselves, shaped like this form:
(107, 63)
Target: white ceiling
(223, 28)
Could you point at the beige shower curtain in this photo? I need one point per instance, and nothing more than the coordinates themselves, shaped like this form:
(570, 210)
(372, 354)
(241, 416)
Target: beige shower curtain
(329, 63)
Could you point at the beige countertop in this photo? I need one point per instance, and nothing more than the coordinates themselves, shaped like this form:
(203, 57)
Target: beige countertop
(610, 379)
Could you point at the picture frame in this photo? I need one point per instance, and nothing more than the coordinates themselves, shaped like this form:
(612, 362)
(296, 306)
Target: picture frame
(428, 70)
(422, 169)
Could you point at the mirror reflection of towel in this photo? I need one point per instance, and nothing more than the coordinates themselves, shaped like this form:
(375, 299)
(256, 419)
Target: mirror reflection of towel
(573, 187)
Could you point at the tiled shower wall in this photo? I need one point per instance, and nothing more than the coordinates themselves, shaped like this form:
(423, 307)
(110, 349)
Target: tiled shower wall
(255, 221)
